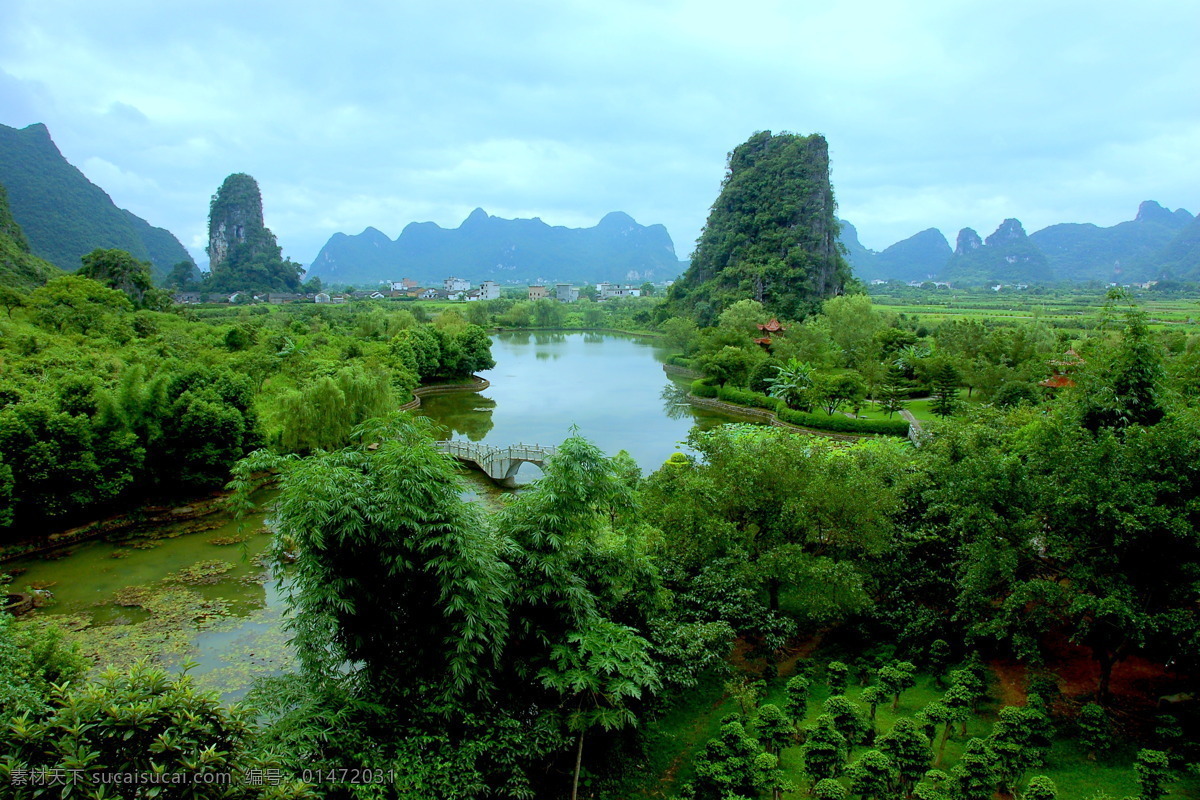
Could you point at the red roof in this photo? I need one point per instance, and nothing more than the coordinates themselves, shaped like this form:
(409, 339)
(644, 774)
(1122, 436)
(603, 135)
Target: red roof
(1056, 382)
(772, 327)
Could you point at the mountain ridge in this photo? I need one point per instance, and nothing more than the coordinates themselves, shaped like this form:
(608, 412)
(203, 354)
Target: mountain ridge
(1151, 246)
(484, 246)
(64, 215)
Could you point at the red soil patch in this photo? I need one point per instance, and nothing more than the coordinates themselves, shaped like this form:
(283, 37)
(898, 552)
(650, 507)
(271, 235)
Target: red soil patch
(1013, 680)
(1135, 680)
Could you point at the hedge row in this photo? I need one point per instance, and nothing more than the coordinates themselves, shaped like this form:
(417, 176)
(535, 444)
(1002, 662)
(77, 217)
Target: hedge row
(824, 422)
(679, 361)
(887, 427)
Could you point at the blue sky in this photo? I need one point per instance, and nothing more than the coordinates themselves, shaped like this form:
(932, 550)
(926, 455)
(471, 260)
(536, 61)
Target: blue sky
(938, 114)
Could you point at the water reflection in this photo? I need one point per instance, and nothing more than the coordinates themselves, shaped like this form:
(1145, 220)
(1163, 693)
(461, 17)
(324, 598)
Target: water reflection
(462, 414)
(675, 404)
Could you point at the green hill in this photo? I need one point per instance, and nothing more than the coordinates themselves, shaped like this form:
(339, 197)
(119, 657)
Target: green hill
(1122, 252)
(771, 235)
(64, 215)
(1007, 256)
(19, 268)
(1180, 259)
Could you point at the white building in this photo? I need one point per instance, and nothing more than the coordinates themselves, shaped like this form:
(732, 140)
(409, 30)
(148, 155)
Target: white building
(565, 293)
(452, 285)
(607, 291)
(489, 290)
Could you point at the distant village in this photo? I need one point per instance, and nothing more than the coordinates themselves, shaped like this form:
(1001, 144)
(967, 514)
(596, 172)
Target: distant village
(452, 289)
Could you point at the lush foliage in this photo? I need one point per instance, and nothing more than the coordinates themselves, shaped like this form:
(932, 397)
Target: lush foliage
(771, 234)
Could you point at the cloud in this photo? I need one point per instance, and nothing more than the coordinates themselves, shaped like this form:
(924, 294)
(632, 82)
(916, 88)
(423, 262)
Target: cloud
(938, 114)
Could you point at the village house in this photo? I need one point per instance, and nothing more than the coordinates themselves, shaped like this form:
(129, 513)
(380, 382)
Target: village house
(538, 293)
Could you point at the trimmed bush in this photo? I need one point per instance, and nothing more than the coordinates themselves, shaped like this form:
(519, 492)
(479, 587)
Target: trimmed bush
(680, 361)
(823, 422)
(843, 424)
(745, 397)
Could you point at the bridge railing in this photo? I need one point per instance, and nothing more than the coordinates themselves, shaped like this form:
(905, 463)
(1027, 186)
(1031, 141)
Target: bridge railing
(483, 454)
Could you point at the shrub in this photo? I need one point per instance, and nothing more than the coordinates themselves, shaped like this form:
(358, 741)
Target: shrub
(702, 388)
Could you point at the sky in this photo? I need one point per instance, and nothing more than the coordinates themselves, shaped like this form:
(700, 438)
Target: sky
(938, 113)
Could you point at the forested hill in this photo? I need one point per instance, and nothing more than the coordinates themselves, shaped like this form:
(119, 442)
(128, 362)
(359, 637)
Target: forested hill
(505, 250)
(64, 215)
(771, 235)
(1132, 250)
(19, 269)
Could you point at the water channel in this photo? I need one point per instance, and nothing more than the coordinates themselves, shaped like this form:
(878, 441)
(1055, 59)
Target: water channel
(203, 597)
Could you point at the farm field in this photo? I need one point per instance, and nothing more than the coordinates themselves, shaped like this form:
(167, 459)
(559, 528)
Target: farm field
(1067, 311)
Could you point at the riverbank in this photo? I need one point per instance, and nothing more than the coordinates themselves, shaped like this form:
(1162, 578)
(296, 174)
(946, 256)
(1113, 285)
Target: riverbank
(145, 517)
(476, 384)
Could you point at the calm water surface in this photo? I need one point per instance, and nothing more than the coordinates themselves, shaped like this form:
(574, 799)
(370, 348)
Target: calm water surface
(611, 388)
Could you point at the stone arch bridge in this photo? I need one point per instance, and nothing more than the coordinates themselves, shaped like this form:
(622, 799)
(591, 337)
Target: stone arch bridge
(500, 463)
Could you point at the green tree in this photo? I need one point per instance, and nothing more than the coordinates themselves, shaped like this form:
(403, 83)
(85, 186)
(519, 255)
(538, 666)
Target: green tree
(729, 365)
(1153, 771)
(946, 381)
(118, 270)
(909, 750)
(548, 313)
(892, 394)
(597, 672)
(974, 776)
(681, 334)
(838, 675)
(872, 774)
(794, 384)
(1040, 788)
(10, 298)
(376, 533)
(726, 766)
(829, 789)
(797, 692)
(937, 713)
(773, 727)
(896, 678)
(144, 721)
(937, 659)
(1095, 730)
(1127, 391)
(74, 303)
(847, 719)
(873, 696)
(825, 750)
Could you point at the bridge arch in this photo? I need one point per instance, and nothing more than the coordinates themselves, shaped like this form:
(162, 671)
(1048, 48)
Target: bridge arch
(500, 463)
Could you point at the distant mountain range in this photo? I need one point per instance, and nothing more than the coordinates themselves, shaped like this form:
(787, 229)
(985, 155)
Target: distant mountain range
(484, 247)
(64, 215)
(1158, 244)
